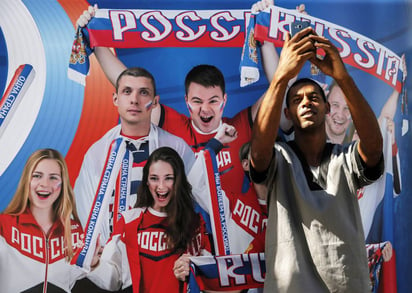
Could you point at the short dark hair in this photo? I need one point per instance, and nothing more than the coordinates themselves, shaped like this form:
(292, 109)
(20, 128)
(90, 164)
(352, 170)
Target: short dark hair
(205, 75)
(244, 151)
(302, 81)
(136, 72)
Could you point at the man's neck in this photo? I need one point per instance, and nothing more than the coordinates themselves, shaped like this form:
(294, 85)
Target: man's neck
(207, 133)
(135, 130)
(311, 145)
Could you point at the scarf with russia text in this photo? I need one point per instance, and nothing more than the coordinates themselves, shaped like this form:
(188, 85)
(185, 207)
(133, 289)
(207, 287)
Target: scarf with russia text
(135, 29)
(356, 50)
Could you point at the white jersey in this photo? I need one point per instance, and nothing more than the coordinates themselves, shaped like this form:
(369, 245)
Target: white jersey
(30, 260)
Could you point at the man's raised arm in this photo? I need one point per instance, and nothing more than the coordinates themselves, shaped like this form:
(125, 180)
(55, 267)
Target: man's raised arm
(295, 52)
(364, 119)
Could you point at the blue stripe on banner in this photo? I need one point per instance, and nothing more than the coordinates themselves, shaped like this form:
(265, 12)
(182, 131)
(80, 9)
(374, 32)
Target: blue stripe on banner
(193, 287)
(101, 191)
(178, 5)
(124, 179)
(4, 62)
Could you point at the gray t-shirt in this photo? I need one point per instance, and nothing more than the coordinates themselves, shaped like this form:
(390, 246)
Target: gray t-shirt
(314, 240)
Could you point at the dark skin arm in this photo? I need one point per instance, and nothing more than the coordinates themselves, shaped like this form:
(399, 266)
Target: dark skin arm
(296, 51)
(366, 124)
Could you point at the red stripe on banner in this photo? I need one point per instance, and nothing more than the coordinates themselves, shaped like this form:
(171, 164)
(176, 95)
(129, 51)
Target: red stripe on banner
(11, 84)
(140, 164)
(104, 38)
(262, 34)
(372, 71)
(215, 215)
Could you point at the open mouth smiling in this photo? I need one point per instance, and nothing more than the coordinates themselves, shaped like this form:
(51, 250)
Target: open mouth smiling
(338, 122)
(206, 119)
(43, 194)
(162, 195)
(308, 113)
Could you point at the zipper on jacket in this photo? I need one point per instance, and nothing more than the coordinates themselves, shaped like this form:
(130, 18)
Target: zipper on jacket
(47, 264)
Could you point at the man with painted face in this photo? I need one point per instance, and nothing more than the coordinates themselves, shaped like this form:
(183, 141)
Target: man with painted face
(205, 96)
(206, 99)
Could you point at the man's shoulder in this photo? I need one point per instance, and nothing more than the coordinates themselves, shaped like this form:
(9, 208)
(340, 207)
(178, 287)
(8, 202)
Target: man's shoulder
(244, 113)
(103, 143)
(171, 114)
(167, 137)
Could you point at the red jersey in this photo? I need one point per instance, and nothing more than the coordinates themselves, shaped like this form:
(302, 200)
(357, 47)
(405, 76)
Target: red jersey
(137, 254)
(32, 261)
(156, 259)
(230, 168)
(247, 221)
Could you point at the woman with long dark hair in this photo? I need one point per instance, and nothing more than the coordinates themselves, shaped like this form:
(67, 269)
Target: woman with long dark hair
(151, 244)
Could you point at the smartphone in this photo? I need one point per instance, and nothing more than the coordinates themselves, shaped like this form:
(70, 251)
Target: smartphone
(297, 26)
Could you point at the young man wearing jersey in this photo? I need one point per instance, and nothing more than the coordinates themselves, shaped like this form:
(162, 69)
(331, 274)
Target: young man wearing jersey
(314, 239)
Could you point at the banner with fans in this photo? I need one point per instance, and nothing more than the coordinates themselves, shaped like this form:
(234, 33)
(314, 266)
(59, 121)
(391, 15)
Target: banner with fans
(170, 37)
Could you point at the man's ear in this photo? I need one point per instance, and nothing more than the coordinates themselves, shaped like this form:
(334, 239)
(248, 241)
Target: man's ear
(286, 112)
(156, 101)
(187, 104)
(224, 102)
(115, 99)
(245, 164)
(327, 108)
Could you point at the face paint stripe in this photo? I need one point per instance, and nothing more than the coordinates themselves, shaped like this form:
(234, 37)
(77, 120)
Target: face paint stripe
(189, 107)
(222, 106)
(148, 106)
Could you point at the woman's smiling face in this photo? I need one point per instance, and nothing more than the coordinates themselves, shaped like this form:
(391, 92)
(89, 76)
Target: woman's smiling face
(161, 180)
(45, 184)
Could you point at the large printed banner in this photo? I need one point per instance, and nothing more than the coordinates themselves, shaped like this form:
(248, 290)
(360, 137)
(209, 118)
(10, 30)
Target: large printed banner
(212, 28)
(42, 107)
(355, 49)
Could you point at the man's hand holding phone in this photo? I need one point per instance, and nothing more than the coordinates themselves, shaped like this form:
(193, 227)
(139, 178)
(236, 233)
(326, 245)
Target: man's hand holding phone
(297, 26)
